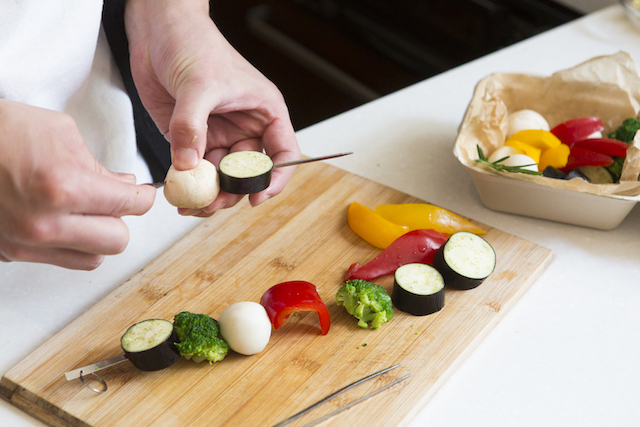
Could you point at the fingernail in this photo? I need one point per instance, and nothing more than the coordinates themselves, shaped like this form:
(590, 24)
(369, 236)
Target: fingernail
(127, 177)
(185, 158)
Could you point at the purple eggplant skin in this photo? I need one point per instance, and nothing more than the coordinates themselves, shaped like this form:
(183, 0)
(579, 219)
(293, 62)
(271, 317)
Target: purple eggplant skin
(414, 304)
(452, 278)
(418, 289)
(156, 358)
(249, 185)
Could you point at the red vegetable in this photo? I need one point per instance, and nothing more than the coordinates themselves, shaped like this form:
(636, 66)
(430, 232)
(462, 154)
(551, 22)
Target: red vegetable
(287, 298)
(415, 246)
(577, 129)
(579, 157)
(610, 147)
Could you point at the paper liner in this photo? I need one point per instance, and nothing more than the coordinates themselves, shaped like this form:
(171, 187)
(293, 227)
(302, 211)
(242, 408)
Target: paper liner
(607, 87)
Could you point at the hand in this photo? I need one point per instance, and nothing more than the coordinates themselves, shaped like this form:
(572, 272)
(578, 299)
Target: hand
(203, 95)
(58, 205)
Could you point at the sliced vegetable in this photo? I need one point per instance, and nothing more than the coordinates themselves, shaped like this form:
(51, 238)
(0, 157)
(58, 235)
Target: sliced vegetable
(245, 172)
(551, 172)
(418, 289)
(608, 146)
(540, 139)
(577, 129)
(579, 157)
(246, 327)
(150, 344)
(415, 246)
(284, 299)
(372, 227)
(556, 157)
(418, 216)
(465, 260)
(592, 174)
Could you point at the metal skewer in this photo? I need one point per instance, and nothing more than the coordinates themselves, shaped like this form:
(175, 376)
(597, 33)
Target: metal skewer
(283, 164)
(94, 367)
(334, 394)
(355, 402)
(311, 159)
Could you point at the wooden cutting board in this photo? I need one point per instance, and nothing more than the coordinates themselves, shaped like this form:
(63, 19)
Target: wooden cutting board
(235, 256)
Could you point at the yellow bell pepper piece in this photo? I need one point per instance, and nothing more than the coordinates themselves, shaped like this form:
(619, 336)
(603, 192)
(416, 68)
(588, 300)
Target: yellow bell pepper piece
(540, 139)
(527, 149)
(556, 157)
(418, 216)
(372, 227)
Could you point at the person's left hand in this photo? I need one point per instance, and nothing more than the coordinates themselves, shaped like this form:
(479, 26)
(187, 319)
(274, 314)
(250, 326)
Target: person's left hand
(203, 95)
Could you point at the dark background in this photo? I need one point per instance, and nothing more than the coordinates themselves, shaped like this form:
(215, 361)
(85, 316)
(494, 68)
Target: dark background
(328, 56)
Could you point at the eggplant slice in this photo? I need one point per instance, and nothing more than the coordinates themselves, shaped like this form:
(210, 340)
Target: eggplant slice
(418, 289)
(465, 260)
(245, 172)
(150, 344)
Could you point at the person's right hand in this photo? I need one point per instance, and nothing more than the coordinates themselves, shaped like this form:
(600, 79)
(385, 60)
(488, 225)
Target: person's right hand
(58, 205)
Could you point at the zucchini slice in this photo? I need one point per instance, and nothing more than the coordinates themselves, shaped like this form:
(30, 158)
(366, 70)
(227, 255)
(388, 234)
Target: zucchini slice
(245, 172)
(418, 289)
(465, 260)
(150, 344)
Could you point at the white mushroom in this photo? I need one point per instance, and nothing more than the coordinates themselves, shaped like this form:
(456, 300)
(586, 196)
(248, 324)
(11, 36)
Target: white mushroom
(194, 188)
(246, 327)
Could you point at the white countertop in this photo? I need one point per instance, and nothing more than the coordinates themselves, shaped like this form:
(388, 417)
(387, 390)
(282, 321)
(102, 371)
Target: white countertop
(568, 353)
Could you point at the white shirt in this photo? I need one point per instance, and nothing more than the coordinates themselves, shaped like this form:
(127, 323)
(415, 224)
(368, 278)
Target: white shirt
(54, 54)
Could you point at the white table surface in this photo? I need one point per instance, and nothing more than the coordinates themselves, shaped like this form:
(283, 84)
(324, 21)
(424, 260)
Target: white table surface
(568, 353)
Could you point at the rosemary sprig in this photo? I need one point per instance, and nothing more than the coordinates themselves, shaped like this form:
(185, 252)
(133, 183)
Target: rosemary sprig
(504, 168)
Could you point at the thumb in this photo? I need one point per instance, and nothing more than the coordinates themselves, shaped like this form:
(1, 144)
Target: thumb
(188, 130)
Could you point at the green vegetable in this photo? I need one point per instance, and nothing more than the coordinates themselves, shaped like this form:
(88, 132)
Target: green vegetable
(615, 168)
(199, 337)
(627, 130)
(366, 301)
(502, 167)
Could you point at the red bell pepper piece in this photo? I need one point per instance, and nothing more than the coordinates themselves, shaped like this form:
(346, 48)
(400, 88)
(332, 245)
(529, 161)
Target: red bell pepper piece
(608, 146)
(415, 246)
(579, 157)
(284, 299)
(577, 129)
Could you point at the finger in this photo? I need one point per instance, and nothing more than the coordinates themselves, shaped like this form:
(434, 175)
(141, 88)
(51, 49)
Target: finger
(188, 129)
(100, 235)
(282, 146)
(64, 258)
(85, 192)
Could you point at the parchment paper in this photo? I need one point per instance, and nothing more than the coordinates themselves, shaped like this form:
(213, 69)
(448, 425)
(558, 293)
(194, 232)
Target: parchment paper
(605, 86)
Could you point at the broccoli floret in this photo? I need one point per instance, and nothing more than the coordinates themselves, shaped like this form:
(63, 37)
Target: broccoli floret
(366, 301)
(627, 130)
(615, 168)
(199, 337)
(625, 133)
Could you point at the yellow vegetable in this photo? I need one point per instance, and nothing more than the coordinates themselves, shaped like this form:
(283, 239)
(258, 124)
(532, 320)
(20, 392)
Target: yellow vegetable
(417, 216)
(556, 157)
(540, 139)
(372, 227)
